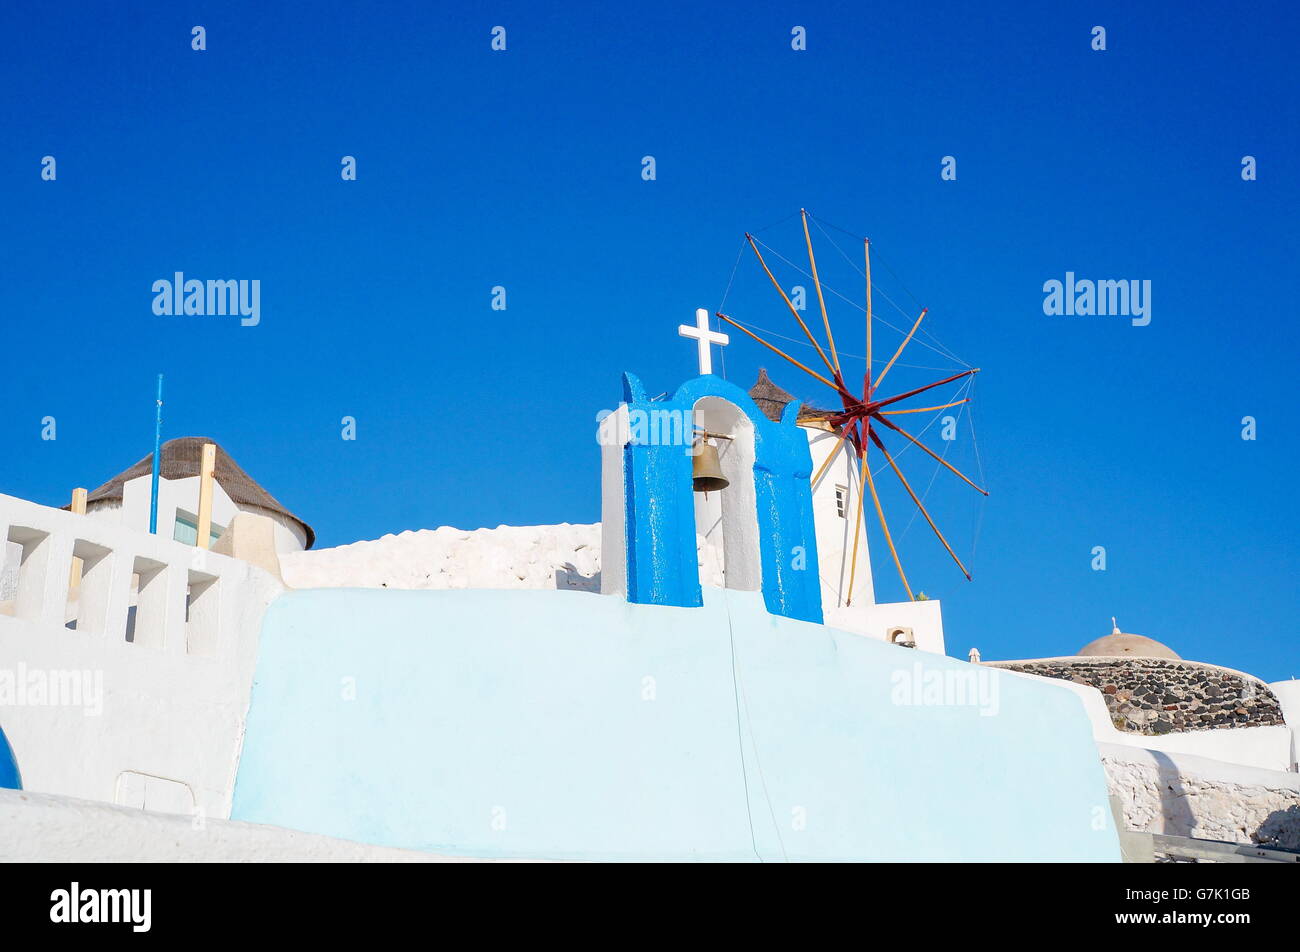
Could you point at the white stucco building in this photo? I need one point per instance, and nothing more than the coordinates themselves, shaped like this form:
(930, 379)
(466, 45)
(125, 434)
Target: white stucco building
(124, 499)
(154, 659)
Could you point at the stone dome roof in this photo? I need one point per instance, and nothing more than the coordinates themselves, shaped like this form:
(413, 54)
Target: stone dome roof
(1120, 644)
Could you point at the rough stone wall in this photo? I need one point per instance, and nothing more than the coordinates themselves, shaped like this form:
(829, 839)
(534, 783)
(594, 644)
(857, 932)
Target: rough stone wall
(1158, 696)
(1164, 799)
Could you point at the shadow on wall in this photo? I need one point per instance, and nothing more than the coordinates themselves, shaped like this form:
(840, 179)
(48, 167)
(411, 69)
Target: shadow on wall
(1281, 828)
(569, 579)
(1176, 811)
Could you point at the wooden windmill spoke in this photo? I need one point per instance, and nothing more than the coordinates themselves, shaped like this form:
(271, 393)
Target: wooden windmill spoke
(857, 530)
(821, 301)
(793, 310)
(889, 539)
(924, 311)
(877, 404)
(943, 406)
(853, 425)
(776, 350)
(933, 455)
(906, 485)
(866, 257)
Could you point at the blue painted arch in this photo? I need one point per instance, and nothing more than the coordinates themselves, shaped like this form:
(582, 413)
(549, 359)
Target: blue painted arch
(662, 566)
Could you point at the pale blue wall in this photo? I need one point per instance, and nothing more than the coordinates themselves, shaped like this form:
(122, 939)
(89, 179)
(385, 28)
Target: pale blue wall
(531, 701)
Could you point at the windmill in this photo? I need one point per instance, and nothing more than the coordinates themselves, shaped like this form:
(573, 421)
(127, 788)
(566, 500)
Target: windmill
(866, 416)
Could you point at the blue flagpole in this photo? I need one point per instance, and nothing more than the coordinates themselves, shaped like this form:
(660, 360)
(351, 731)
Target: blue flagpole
(157, 455)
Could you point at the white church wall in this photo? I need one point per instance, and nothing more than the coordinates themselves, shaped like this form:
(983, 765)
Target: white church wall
(84, 706)
(1268, 748)
(612, 434)
(923, 618)
(1288, 696)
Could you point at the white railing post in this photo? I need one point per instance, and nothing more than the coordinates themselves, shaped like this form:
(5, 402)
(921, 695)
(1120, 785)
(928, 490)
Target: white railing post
(48, 576)
(176, 585)
(118, 604)
(96, 586)
(150, 627)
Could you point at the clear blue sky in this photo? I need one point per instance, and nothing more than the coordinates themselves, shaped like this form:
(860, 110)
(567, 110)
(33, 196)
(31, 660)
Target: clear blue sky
(522, 169)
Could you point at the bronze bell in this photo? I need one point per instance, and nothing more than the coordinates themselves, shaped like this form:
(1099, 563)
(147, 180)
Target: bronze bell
(706, 471)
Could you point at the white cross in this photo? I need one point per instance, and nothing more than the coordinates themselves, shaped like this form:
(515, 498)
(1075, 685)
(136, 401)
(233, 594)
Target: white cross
(704, 337)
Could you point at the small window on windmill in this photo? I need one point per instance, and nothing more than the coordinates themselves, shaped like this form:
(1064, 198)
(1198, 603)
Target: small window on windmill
(842, 501)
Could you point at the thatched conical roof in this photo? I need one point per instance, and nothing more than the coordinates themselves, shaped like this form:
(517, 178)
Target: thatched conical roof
(181, 458)
(772, 400)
